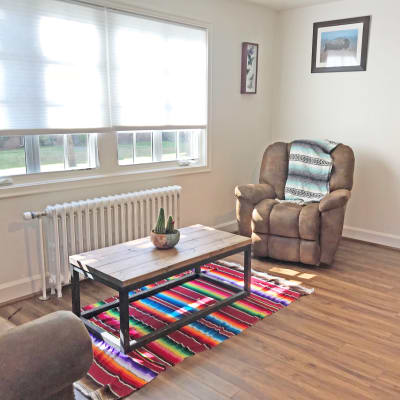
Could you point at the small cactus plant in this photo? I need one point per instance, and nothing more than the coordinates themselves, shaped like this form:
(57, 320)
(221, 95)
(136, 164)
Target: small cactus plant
(170, 226)
(164, 237)
(160, 226)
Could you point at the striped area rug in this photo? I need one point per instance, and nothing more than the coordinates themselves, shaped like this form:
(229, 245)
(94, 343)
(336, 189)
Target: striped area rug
(114, 375)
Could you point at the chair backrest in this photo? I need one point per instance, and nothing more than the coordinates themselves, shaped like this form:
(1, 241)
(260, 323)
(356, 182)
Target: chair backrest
(274, 167)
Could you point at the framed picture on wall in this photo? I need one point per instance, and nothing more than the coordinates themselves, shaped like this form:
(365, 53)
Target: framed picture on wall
(340, 45)
(249, 68)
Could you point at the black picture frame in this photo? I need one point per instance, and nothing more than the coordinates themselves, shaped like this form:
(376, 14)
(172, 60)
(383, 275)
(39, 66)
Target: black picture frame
(246, 48)
(340, 22)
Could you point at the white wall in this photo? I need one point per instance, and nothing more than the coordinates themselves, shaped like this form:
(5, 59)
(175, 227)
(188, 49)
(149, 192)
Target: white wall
(240, 130)
(360, 109)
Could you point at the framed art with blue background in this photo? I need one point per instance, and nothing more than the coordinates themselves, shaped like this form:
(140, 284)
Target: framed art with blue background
(340, 45)
(249, 68)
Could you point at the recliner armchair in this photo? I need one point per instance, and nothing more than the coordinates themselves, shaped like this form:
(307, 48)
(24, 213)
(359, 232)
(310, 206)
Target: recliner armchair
(308, 233)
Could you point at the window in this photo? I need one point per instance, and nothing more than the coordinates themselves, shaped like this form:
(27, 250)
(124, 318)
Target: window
(71, 73)
(21, 155)
(12, 155)
(154, 146)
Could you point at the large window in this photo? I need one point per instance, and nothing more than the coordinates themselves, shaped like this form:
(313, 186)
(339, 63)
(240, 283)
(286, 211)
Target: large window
(71, 73)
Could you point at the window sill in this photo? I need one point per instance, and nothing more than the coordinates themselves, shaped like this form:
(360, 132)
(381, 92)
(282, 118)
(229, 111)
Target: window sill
(83, 181)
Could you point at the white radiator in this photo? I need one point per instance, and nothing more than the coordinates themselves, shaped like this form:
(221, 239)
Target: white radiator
(81, 226)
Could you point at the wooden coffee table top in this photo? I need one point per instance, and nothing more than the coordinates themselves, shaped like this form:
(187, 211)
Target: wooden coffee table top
(130, 262)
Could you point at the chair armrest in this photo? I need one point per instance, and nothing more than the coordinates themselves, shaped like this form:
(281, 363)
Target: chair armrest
(254, 193)
(42, 358)
(337, 198)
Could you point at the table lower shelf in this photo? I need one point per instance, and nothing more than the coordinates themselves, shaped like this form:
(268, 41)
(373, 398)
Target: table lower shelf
(114, 341)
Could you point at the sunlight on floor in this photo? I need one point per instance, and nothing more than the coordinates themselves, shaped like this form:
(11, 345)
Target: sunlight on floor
(306, 276)
(292, 272)
(284, 271)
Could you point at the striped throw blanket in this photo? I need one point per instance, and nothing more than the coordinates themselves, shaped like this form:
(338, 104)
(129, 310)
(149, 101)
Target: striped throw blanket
(310, 167)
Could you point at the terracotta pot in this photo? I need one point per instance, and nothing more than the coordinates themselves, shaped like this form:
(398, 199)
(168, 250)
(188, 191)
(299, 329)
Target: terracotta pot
(165, 240)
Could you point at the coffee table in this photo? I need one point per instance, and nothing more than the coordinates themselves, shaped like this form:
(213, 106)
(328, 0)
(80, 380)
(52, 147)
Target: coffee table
(132, 265)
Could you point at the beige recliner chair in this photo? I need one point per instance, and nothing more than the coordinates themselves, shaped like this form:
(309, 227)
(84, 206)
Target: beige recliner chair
(309, 234)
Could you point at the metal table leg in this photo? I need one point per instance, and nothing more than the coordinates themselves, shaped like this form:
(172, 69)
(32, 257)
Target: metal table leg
(76, 297)
(124, 319)
(247, 269)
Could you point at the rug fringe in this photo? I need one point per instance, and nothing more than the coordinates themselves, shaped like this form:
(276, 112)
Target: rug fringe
(270, 278)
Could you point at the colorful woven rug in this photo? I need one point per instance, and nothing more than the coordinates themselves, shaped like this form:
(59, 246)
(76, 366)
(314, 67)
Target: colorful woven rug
(114, 375)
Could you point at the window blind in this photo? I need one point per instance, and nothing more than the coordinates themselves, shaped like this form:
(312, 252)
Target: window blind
(52, 66)
(158, 72)
(70, 67)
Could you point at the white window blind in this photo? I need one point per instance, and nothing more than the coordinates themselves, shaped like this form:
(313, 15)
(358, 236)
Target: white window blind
(52, 67)
(158, 72)
(65, 66)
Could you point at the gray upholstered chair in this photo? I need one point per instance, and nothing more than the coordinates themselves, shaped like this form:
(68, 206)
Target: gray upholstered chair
(41, 359)
(309, 234)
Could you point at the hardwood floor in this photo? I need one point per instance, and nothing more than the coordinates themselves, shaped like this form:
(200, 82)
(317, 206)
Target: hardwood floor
(342, 342)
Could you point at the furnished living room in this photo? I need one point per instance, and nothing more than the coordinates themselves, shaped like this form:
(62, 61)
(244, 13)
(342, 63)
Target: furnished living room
(198, 199)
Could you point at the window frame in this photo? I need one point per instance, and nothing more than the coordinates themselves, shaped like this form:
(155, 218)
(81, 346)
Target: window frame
(108, 170)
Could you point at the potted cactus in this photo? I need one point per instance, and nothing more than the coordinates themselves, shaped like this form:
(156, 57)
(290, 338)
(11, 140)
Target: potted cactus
(164, 237)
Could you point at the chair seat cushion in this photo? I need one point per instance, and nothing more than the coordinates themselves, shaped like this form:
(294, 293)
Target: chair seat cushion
(286, 219)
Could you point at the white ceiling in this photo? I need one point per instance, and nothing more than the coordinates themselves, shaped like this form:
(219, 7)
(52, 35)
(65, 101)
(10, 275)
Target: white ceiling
(286, 4)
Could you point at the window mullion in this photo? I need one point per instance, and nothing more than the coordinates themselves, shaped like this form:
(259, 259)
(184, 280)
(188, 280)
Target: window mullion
(32, 154)
(93, 155)
(66, 152)
(177, 145)
(194, 144)
(157, 145)
(134, 147)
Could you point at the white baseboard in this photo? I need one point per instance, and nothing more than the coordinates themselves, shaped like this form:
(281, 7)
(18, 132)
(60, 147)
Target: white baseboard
(230, 226)
(19, 288)
(366, 235)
